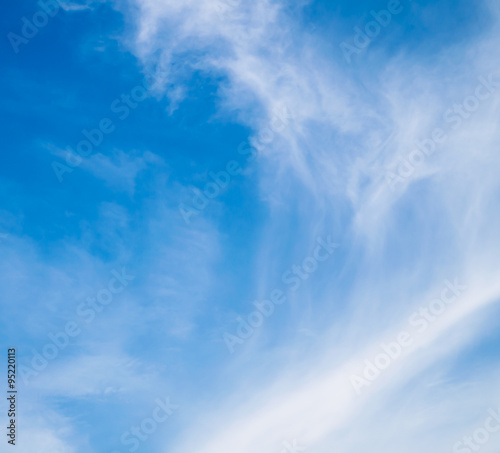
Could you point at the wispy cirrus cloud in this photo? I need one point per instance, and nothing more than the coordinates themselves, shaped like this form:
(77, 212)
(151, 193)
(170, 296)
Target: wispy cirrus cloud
(326, 173)
(329, 169)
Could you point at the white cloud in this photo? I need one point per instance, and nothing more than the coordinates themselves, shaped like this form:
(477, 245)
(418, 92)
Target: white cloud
(331, 167)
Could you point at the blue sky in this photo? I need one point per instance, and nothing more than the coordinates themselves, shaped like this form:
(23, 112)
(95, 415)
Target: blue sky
(259, 221)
